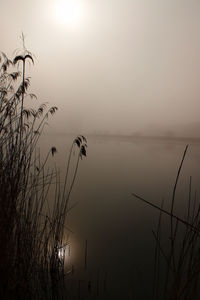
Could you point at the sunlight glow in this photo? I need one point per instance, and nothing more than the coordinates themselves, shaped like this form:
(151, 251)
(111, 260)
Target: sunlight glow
(64, 252)
(69, 12)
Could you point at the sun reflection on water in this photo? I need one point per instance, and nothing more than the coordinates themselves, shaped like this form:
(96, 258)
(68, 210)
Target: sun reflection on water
(64, 252)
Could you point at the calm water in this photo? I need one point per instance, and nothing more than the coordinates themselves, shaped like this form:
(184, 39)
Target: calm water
(117, 226)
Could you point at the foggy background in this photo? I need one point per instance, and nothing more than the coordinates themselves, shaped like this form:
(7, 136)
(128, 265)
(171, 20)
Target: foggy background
(130, 67)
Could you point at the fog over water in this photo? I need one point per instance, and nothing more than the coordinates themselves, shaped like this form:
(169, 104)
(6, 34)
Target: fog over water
(128, 67)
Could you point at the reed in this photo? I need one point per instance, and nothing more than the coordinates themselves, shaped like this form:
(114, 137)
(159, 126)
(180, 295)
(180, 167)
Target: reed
(177, 251)
(32, 237)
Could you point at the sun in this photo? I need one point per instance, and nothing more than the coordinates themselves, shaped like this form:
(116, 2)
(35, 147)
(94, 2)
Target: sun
(68, 12)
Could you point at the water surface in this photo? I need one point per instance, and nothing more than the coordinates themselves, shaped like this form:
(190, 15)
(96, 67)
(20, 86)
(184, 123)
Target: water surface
(118, 227)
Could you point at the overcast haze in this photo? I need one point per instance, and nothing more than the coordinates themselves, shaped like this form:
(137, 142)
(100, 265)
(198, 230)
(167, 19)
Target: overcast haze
(128, 66)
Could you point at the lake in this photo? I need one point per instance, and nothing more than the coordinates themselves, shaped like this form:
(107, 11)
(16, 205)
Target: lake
(117, 226)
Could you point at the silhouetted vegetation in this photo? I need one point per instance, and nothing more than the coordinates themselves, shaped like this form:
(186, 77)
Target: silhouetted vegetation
(32, 237)
(177, 254)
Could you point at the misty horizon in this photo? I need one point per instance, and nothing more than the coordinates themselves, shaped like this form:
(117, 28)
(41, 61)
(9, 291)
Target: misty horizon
(190, 130)
(123, 77)
(129, 66)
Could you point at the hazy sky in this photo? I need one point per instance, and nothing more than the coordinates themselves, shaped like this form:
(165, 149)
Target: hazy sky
(121, 66)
